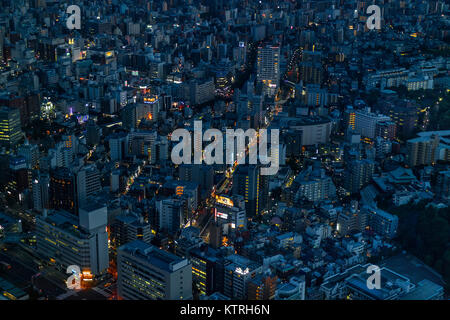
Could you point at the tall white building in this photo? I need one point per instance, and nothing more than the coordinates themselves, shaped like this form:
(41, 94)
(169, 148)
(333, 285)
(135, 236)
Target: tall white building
(87, 183)
(366, 122)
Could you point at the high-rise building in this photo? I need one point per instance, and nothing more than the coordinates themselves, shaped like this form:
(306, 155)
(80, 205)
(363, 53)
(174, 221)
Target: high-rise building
(230, 213)
(386, 130)
(92, 133)
(268, 67)
(10, 131)
(358, 174)
(170, 213)
(202, 174)
(40, 189)
(87, 183)
(129, 227)
(207, 269)
(249, 183)
(201, 91)
(187, 191)
(31, 154)
(349, 118)
(366, 122)
(62, 190)
(67, 240)
(118, 145)
(148, 273)
(311, 72)
(19, 177)
(422, 150)
(238, 273)
(262, 287)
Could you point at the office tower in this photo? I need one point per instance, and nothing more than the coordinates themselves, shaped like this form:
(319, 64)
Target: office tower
(215, 235)
(352, 219)
(40, 189)
(87, 182)
(170, 213)
(249, 183)
(10, 130)
(148, 273)
(143, 143)
(262, 287)
(115, 179)
(118, 146)
(31, 153)
(221, 51)
(240, 53)
(68, 240)
(129, 227)
(46, 48)
(19, 177)
(268, 68)
(358, 174)
(14, 101)
(422, 150)
(109, 105)
(62, 190)
(207, 269)
(92, 133)
(64, 155)
(293, 141)
(158, 150)
(311, 72)
(238, 273)
(129, 116)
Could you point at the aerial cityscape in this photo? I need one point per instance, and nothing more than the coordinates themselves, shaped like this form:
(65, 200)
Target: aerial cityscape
(224, 150)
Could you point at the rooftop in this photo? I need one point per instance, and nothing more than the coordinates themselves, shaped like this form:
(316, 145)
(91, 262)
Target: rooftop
(154, 256)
